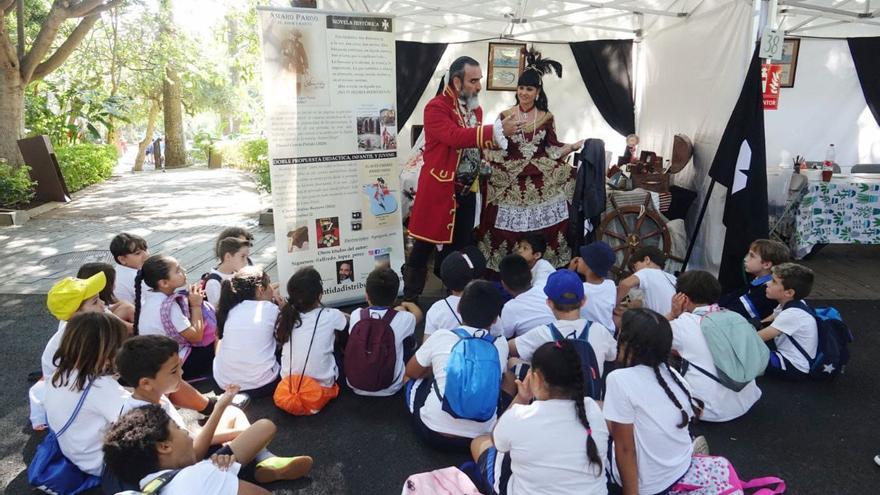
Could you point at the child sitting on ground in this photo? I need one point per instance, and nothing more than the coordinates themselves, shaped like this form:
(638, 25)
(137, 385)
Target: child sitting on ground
(239, 232)
(479, 306)
(307, 332)
(751, 301)
(528, 308)
(793, 331)
(565, 297)
(152, 364)
(594, 263)
(233, 255)
(456, 271)
(85, 374)
(532, 247)
(129, 252)
(123, 309)
(538, 445)
(246, 346)
(697, 293)
(649, 401)
(163, 275)
(381, 291)
(657, 286)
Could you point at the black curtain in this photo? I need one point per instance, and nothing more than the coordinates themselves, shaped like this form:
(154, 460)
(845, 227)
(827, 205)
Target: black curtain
(866, 57)
(416, 63)
(606, 68)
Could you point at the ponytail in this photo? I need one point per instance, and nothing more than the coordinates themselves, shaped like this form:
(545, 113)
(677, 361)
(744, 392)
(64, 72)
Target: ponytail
(138, 280)
(304, 291)
(560, 366)
(288, 319)
(241, 287)
(696, 404)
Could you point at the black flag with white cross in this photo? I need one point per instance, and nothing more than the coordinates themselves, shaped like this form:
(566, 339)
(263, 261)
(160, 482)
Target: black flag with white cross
(740, 164)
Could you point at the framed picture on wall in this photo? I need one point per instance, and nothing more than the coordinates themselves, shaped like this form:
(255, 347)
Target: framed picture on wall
(790, 49)
(506, 63)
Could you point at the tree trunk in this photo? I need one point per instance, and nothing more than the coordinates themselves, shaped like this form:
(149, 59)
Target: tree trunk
(11, 113)
(142, 146)
(172, 97)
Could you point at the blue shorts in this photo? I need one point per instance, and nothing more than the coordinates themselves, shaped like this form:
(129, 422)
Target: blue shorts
(495, 471)
(779, 367)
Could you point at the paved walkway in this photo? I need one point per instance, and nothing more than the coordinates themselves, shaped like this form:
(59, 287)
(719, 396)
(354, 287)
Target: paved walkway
(179, 212)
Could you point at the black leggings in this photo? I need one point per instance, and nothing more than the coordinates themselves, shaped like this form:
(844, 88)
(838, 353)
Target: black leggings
(199, 363)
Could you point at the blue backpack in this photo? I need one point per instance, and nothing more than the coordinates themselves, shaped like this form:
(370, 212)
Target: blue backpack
(589, 363)
(51, 472)
(473, 377)
(832, 353)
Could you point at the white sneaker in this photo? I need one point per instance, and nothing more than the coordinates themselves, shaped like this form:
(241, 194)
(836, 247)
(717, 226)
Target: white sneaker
(877, 460)
(701, 446)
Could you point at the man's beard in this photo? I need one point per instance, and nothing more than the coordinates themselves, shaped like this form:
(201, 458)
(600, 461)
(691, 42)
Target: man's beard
(470, 101)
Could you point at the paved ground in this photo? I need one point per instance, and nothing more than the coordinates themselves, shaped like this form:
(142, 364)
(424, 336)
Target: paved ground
(819, 437)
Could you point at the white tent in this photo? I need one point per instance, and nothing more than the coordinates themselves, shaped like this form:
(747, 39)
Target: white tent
(690, 57)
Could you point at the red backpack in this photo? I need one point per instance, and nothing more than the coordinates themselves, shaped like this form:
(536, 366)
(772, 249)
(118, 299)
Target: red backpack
(370, 354)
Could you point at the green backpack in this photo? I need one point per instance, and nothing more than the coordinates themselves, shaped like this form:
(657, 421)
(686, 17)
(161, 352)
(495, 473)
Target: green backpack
(738, 352)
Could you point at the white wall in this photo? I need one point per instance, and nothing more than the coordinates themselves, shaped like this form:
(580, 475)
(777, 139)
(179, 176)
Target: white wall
(826, 105)
(690, 76)
(576, 116)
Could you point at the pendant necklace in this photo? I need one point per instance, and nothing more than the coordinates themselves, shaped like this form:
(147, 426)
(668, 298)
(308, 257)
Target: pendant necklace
(524, 119)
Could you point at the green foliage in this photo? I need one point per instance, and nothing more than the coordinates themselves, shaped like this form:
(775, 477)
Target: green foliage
(72, 114)
(86, 164)
(203, 141)
(248, 154)
(16, 186)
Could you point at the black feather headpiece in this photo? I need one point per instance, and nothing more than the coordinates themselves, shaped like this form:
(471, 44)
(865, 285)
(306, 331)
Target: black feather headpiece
(536, 68)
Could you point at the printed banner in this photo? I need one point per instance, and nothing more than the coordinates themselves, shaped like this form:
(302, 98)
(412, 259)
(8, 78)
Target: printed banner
(329, 89)
(771, 77)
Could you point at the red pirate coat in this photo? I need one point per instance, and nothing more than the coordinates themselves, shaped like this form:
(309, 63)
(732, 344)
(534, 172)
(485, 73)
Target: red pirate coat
(446, 135)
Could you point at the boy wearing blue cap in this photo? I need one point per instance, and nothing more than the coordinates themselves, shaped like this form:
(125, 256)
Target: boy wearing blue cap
(565, 297)
(594, 263)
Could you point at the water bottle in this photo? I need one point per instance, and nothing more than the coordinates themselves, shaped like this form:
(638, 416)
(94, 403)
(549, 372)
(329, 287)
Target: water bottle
(828, 164)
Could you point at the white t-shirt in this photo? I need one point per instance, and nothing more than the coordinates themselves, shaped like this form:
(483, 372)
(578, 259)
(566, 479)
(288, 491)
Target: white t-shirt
(202, 477)
(150, 321)
(440, 317)
(658, 288)
(247, 351)
(602, 342)
(663, 450)
(403, 325)
(601, 299)
(213, 287)
(434, 353)
(795, 323)
(164, 403)
(554, 461)
(525, 312)
(321, 365)
(124, 287)
(83, 440)
(721, 403)
(541, 271)
(51, 348)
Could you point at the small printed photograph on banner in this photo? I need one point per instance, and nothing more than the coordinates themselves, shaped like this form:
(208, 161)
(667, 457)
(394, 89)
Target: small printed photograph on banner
(382, 201)
(377, 129)
(345, 271)
(298, 238)
(383, 260)
(790, 49)
(295, 56)
(328, 232)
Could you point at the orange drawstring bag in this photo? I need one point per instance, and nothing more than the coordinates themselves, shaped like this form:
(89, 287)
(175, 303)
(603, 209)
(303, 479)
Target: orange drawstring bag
(299, 394)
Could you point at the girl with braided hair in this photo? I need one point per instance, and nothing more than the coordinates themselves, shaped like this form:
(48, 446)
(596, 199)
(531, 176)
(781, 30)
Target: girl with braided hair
(649, 408)
(246, 328)
(552, 440)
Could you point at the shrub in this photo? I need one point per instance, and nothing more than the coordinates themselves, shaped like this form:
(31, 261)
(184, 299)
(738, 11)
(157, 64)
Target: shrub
(16, 186)
(86, 164)
(251, 155)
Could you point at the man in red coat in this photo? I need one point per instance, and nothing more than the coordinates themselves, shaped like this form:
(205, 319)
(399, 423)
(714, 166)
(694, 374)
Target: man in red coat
(443, 215)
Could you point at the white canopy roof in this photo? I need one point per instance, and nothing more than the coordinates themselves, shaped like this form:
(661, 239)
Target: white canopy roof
(577, 20)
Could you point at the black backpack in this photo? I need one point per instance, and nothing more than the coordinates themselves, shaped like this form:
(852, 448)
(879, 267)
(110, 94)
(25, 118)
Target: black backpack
(832, 352)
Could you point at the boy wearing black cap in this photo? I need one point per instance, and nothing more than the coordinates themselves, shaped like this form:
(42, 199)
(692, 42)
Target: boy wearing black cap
(565, 297)
(594, 263)
(456, 271)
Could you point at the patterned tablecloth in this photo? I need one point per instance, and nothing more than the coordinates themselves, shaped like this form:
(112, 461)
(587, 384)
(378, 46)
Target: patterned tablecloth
(843, 211)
